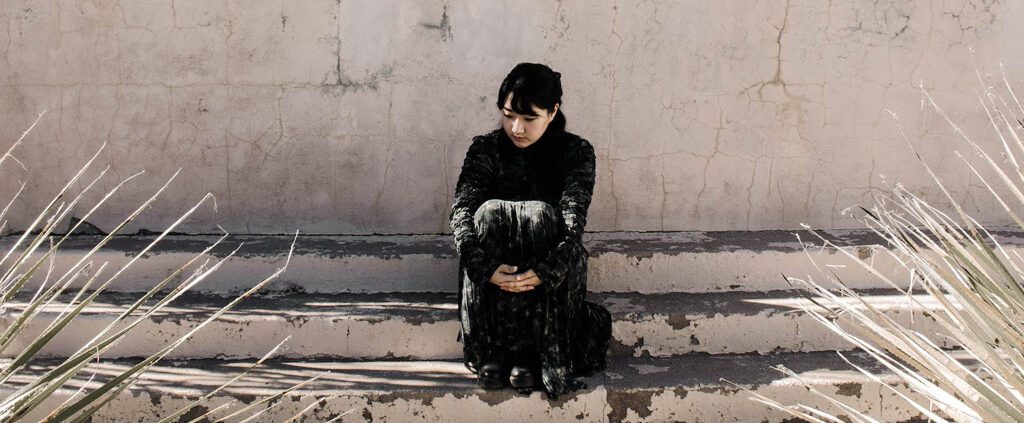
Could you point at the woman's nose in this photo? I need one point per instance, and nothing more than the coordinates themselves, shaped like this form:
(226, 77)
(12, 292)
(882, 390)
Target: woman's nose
(517, 126)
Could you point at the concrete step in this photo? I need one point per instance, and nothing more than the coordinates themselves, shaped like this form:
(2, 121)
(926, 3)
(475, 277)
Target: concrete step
(619, 262)
(424, 325)
(634, 390)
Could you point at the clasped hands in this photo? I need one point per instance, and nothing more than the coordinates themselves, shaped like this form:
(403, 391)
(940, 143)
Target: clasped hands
(506, 278)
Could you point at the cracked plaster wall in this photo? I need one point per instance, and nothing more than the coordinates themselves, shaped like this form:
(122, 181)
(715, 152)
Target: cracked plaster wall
(353, 117)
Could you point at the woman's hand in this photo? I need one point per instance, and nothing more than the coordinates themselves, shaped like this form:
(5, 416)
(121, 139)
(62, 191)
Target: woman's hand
(523, 282)
(506, 278)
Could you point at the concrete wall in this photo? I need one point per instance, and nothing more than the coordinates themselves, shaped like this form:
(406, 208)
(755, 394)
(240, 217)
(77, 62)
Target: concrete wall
(344, 116)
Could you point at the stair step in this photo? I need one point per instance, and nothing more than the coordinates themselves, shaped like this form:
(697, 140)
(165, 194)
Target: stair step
(649, 262)
(424, 325)
(636, 389)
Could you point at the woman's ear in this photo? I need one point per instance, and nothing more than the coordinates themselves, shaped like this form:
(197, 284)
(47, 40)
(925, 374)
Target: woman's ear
(554, 111)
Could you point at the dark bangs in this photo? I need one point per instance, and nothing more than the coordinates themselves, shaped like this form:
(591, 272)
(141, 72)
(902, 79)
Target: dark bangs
(522, 99)
(533, 84)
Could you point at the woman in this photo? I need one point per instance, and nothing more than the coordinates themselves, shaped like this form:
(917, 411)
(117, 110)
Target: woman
(518, 217)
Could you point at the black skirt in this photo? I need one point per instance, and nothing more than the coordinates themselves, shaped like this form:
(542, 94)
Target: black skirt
(551, 325)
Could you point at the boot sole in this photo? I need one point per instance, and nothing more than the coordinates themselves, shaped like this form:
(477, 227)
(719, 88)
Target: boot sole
(492, 383)
(524, 384)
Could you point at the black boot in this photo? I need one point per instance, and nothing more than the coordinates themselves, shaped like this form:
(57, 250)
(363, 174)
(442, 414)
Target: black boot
(525, 375)
(494, 374)
(524, 378)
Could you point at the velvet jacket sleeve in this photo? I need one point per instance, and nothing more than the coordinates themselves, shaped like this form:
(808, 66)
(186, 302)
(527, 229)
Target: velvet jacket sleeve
(470, 191)
(577, 190)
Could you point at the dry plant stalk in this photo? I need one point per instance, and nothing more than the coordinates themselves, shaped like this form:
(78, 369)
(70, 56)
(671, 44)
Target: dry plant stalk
(37, 246)
(961, 266)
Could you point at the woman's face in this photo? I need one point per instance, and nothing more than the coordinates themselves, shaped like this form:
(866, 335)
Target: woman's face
(525, 130)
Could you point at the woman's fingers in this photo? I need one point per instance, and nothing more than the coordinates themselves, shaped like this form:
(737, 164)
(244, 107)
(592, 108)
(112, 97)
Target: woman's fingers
(528, 278)
(506, 278)
(503, 274)
(504, 281)
(522, 282)
(526, 275)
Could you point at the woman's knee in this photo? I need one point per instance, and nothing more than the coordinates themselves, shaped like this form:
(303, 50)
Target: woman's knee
(540, 211)
(532, 210)
(488, 211)
(491, 220)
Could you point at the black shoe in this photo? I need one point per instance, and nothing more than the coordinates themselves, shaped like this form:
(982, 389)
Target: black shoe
(524, 378)
(493, 375)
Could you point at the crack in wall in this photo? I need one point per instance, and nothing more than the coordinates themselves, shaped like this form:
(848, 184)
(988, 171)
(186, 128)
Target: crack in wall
(777, 78)
(559, 25)
(611, 113)
(387, 156)
(444, 27)
(975, 15)
(371, 82)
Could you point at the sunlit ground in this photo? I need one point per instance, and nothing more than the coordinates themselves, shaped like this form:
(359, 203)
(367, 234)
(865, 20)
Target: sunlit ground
(205, 375)
(307, 305)
(881, 302)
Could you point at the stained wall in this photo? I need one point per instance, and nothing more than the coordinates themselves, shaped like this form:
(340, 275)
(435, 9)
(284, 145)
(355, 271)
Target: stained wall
(338, 116)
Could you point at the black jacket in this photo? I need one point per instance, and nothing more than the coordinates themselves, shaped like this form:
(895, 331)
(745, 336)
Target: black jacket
(557, 169)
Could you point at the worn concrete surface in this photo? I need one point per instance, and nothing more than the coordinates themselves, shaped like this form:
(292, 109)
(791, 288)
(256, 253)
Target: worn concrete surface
(424, 326)
(669, 349)
(637, 390)
(353, 117)
(619, 262)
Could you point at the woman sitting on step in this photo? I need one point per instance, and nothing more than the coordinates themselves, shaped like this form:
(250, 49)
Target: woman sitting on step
(518, 216)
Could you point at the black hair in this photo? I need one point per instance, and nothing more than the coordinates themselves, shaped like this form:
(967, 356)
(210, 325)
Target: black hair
(533, 84)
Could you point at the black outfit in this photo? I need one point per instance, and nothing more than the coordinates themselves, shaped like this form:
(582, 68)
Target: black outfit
(540, 195)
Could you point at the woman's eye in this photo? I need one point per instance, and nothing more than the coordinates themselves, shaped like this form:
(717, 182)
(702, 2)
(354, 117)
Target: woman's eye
(531, 119)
